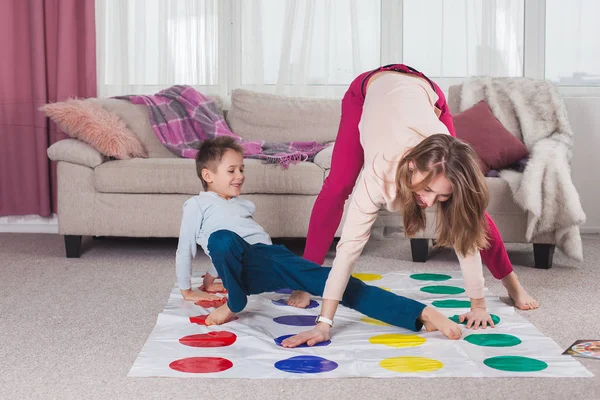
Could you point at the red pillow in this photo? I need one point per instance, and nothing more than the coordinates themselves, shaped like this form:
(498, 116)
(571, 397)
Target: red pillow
(497, 147)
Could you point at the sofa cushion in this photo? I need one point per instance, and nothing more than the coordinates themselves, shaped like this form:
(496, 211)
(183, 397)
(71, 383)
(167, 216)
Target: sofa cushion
(178, 175)
(76, 152)
(136, 118)
(496, 146)
(92, 124)
(323, 158)
(262, 116)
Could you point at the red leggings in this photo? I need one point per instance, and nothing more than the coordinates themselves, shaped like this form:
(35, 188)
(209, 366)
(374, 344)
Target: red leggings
(346, 164)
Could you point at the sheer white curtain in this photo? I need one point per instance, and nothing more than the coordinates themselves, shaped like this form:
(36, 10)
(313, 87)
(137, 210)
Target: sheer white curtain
(147, 45)
(299, 47)
(572, 51)
(296, 47)
(308, 47)
(460, 38)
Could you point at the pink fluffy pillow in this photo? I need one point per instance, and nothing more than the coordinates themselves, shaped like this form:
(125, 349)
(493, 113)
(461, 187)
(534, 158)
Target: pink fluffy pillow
(101, 129)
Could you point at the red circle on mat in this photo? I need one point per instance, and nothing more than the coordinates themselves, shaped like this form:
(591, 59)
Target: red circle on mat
(201, 319)
(210, 339)
(211, 303)
(201, 365)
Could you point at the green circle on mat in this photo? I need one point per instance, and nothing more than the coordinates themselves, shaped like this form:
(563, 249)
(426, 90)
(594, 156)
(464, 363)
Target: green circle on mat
(441, 289)
(452, 303)
(431, 277)
(493, 340)
(456, 319)
(515, 364)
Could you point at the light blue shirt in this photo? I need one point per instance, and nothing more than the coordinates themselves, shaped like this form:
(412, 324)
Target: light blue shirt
(204, 214)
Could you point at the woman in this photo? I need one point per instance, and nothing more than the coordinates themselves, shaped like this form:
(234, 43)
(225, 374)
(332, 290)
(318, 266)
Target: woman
(386, 114)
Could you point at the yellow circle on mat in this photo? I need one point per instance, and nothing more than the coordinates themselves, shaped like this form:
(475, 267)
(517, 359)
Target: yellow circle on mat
(374, 321)
(367, 277)
(387, 289)
(398, 340)
(411, 364)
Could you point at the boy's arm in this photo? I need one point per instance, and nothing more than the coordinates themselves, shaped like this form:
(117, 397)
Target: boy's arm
(187, 247)
(186, 251)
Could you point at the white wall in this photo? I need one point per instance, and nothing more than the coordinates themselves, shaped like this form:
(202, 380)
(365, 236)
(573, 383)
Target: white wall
(584, 114)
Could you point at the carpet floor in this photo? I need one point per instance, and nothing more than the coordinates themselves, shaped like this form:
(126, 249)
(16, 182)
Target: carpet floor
(72, 328)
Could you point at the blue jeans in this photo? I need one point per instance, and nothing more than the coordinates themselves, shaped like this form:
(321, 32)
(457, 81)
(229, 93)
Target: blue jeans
(253, 269)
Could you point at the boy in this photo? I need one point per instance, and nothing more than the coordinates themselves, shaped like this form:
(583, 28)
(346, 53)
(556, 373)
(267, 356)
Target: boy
(248, 263)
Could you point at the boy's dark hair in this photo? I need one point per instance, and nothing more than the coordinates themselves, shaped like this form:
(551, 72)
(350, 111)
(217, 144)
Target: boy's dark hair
(210, 153)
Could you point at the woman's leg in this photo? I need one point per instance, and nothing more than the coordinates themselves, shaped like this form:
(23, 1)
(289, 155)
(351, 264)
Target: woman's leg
(496, 259)
(495, 256)
(346, 162)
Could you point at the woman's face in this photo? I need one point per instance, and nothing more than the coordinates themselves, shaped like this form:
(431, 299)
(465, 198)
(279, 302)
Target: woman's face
(439, 189)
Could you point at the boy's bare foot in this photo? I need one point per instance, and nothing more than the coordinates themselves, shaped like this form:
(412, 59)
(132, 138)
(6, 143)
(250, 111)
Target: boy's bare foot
(219, 316)
(433, 320)
(195, 295)
(299, 299)
(522, 299)
(210, 285)
(215, 287)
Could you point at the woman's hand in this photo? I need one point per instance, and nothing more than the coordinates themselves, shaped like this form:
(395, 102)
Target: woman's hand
(477, 317)
(318, 334)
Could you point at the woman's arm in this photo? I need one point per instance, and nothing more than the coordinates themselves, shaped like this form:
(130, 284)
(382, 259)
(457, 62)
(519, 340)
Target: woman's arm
(472, 270)
(362, 213)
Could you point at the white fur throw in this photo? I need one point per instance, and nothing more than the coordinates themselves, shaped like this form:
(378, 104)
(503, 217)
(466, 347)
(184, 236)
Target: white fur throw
(534, 111)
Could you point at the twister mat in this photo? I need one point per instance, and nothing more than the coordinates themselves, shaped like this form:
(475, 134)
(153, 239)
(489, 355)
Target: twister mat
(182, 346)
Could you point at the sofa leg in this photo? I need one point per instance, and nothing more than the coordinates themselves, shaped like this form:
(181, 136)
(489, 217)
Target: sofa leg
(543, 254)
(419, 249)
(73, 246)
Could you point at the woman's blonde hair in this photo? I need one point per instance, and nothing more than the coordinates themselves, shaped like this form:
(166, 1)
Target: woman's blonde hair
(461, 221)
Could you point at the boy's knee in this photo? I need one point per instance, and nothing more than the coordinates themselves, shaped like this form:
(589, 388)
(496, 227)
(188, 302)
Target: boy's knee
(222, 241)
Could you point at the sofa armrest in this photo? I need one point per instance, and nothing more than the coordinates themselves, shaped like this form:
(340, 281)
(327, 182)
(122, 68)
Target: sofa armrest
(76, 152)
(323, 158)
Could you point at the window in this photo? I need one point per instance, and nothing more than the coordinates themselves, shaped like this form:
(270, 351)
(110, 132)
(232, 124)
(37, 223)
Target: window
(147, 45)
(461, 38)
(309, 42)
(316, 47)
(572, 52)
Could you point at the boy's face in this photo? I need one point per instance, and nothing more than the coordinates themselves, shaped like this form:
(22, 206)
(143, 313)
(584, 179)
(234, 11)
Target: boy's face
(228, 178)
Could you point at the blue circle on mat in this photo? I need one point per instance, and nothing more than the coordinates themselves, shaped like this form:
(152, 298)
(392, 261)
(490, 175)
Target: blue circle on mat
(296, 320)
(284, 291)
(306, 365)
(283, 302)
(282, 338)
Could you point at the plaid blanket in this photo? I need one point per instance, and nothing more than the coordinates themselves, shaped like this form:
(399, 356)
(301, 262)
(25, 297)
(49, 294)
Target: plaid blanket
(182, 118)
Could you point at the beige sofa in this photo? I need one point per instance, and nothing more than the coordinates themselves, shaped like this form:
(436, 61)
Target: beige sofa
(144, 197)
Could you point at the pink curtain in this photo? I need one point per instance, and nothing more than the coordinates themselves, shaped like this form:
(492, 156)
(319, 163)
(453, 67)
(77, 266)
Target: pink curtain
(48, 51)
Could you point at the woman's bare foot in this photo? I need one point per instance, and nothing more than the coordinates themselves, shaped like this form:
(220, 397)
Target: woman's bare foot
(522, 299)
(299, 299)
(219, 316)
(433, 320)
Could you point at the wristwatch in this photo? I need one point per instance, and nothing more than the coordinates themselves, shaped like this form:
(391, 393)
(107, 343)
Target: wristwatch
(328, 321)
